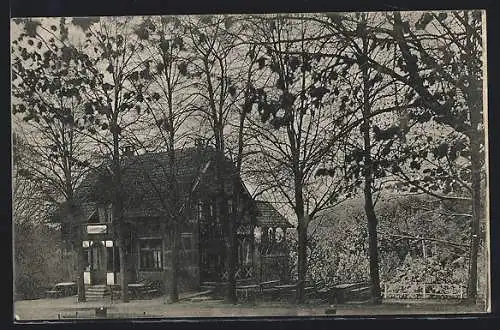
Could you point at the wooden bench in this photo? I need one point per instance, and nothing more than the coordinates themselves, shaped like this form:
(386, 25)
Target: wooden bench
(145, 289)
(340, 293)
(63, 289)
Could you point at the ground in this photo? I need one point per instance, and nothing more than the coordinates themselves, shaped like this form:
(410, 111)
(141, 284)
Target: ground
(69, 308)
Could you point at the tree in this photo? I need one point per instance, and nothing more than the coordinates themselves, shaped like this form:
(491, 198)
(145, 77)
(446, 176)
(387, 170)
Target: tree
(296, 111)
(117, 81)
(460, 67)
(219, 64)
(438, 57)
(170, 104)
(48, 104)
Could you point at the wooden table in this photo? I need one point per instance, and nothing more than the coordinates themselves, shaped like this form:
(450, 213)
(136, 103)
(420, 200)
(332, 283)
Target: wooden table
(136, 289)
(63, 289)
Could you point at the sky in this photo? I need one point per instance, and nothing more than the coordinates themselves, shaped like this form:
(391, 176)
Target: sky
(15, 31)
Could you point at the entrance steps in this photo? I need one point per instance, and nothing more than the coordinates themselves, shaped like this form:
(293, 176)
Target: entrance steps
(97, 292)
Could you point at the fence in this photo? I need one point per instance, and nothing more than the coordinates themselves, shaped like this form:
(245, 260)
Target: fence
(423, 291)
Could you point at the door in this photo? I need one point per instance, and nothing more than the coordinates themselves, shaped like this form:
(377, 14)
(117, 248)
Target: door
(98, 264)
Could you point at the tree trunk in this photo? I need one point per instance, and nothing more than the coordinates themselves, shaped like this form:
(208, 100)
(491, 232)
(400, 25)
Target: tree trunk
(123, 270)
(476, 138)
(372, 246)
(232, 256)
(174, 272)
(476, 210)
(80, 262)
(301, 258)
(174, 215)
(302, 239)
(368, 176)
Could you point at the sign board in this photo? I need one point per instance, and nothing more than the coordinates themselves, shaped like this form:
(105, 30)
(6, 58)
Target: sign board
(96, 229)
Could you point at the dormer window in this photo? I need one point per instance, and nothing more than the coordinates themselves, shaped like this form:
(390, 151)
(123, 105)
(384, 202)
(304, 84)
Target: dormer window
(105, 213)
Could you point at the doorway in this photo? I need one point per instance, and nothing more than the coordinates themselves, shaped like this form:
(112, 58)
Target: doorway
(98, 263)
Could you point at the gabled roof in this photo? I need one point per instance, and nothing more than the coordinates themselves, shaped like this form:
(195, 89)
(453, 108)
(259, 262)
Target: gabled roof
(145, 180)
(268, 216)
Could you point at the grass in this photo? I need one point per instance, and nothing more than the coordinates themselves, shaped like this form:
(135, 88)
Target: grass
(69, 308)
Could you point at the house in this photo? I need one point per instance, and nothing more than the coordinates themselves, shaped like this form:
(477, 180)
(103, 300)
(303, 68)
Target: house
(146, 198)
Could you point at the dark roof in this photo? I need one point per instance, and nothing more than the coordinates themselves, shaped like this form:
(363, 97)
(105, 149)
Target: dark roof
(145, 180)
(268, 216)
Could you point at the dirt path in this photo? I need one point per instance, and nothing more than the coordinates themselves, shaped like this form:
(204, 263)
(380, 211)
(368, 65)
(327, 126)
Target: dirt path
(65, 308)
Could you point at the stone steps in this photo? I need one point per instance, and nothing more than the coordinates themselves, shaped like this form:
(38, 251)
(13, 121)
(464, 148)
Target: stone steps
(97, 292)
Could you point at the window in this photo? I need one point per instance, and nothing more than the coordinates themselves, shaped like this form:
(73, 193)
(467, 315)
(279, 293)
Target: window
(187, 250)
(150, 254)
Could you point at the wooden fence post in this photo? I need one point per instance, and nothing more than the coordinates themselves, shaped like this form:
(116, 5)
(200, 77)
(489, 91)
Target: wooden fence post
(423, 291)
(385, 290)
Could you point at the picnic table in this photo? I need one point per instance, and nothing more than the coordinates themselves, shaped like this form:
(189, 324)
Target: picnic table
(144, 289)
(339, 293)
(63, 289)
(136, 289)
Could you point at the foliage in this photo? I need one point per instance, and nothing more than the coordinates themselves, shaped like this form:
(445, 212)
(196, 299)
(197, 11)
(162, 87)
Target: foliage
(40, 260)
(47, 103)
(430, 270)
(338, 248)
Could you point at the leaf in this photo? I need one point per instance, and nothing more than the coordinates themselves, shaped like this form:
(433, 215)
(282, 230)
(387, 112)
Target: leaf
(30, 27)
(85, 22)
(142, 32)
(294, 62)
(442, 16)
(182, 68)
(134, 76)
(160, 67)
(424, 20)
(164, 45)
(107, 86)
(262, 62)
(414, 165)
(179, 42)
(318, 92)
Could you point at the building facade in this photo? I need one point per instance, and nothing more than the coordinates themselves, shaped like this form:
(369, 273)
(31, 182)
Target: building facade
(146, 222)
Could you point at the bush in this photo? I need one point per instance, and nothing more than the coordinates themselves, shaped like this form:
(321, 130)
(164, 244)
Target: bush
(40, 260)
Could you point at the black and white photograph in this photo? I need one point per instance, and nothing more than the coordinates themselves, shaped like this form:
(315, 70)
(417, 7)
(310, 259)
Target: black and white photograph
(250, 165)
